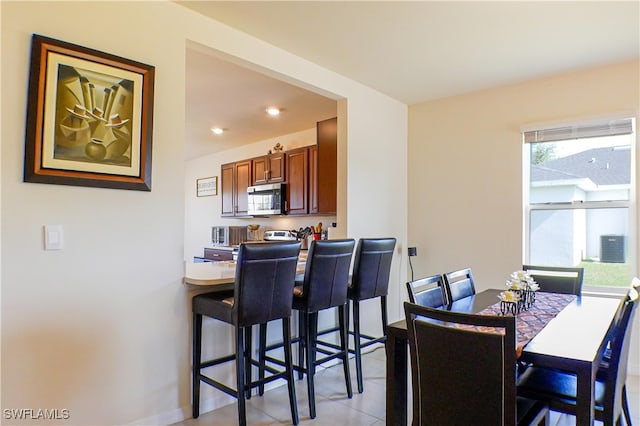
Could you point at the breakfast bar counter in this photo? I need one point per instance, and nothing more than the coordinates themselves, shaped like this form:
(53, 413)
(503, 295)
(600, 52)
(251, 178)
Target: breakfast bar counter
(220, 273)
(209, 273)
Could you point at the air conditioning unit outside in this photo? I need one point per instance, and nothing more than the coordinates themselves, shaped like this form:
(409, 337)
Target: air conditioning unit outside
(612, 248)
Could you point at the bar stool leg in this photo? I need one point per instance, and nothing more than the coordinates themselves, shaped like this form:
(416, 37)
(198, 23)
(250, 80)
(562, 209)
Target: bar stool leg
(286, 338)
(311, 322)
(383, 309)
(261, 356)
(344, 343)
(197, 348)
(302, 326)
(240, 379)
(247, 361)
(356, 342)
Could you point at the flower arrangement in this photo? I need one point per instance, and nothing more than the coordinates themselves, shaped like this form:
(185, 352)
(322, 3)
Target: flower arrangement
(525, 286)
(510, 302)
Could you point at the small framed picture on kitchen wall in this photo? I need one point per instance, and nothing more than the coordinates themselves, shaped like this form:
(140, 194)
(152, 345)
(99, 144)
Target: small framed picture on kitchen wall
(89, 118)
(206, 187)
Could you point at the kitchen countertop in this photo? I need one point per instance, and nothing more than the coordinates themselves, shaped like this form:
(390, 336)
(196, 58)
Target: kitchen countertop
(221, 273)
(209, 273)
(229, 248)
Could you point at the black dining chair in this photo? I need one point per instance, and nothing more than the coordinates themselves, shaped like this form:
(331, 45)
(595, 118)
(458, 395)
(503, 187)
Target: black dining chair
(371, 270)
(459, 284)
(263, 292)
(559, 389)
(603, 369)
(605, 364)
(323, 286)
(472, 379)
(427, 291)
(555, 279)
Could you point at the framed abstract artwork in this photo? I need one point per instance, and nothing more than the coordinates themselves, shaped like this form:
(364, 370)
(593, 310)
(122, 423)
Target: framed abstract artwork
(89, 118)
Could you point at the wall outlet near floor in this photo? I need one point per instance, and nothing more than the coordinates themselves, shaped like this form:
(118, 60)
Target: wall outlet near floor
(413, 251)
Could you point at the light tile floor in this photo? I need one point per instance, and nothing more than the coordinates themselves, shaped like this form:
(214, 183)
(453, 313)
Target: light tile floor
(334, 408)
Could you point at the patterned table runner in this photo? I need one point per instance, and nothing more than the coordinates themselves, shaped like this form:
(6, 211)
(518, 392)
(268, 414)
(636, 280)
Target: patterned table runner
(530, 322)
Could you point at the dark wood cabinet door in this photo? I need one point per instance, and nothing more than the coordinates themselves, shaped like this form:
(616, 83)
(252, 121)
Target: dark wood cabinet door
(260, 169)
(269, 169)
(227, 189)
(217, 254)
(297, 181)
(313, 179)
(327, 166)
(277, 167)
(242, 182)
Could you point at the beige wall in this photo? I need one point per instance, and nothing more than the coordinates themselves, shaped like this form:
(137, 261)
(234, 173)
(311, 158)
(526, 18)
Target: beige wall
(465, 166)
(102, 327)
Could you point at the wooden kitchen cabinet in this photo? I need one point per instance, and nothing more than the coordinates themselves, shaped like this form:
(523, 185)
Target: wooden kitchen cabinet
(312, 174)
(235, 179)
(217, 254)
(309, 172)
(298, 181)
(269, 169)
(226, 189)
(323, 169)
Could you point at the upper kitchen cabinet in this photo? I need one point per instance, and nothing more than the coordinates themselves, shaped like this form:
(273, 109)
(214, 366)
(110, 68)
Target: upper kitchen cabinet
(298, 181)
(323, 169)
(269, 169)
(312, 174)
(235, 179)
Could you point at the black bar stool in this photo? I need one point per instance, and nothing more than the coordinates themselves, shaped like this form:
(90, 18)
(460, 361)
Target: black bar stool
(370, 279)
(324, 286)
(265, 276)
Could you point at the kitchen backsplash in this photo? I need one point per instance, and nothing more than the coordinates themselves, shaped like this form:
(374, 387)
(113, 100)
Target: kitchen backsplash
(287, 223)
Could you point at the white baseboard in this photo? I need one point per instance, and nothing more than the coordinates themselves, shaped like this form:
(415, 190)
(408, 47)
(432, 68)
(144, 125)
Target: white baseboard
(206, 405)
(184, 413)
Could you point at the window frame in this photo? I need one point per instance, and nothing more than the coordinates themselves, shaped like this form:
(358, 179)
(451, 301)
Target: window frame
(630, 204)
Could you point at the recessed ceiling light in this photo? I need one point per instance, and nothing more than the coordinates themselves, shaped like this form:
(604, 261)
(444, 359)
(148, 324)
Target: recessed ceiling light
(217, 130)
(273, 111)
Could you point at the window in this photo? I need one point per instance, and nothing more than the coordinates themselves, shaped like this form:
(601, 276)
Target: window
(578, 192)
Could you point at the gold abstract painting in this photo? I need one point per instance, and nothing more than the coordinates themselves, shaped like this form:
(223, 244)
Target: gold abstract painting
(90, 118)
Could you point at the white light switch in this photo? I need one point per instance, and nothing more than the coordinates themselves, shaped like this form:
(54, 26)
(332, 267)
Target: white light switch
(53, 237)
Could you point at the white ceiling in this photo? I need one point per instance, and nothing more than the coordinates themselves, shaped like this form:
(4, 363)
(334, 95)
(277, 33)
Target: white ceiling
(234, 98)
(412, 51)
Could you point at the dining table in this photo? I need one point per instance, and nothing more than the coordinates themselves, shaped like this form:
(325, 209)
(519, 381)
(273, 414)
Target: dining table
(572, 340)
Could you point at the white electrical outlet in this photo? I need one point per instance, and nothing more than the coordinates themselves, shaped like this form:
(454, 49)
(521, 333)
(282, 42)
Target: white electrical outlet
(53, 237)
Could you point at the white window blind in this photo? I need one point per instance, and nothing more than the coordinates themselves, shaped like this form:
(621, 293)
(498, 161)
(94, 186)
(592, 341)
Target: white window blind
(590, 130)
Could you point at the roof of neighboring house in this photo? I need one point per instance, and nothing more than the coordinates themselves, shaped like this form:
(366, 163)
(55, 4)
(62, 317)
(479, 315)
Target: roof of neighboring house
(604, 166)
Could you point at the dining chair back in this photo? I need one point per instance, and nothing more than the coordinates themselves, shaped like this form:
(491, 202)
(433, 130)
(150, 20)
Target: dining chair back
(472, 378)
(263, 291)
(427, 291)
(560, 389)
(459, 284)
(371, 271)
(616, 399)
(555, 279)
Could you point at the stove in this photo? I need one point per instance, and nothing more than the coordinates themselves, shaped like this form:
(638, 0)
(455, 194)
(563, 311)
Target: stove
(275, 235)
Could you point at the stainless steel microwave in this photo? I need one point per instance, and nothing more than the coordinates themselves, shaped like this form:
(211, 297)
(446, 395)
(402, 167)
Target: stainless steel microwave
(267, 199)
